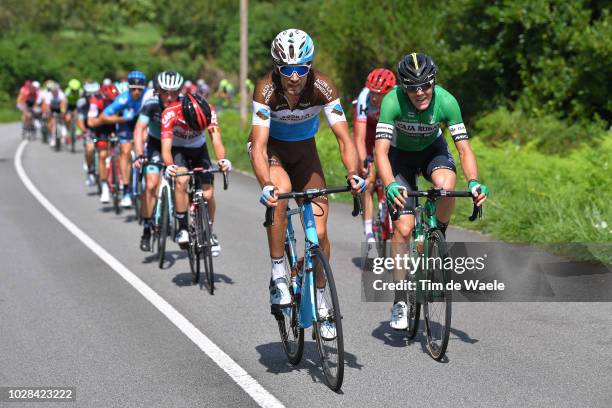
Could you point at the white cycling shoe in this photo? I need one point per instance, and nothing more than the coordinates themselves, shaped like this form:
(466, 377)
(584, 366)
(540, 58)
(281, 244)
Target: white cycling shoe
(399, 316)
(126, 201)
(216, 247)
(279, 293)
(105, 195)
(327, 330)
(182, 238)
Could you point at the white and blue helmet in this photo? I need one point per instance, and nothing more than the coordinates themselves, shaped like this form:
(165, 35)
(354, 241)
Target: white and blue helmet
(292, 47)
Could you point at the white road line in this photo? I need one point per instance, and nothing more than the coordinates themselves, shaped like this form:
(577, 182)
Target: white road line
(237, 373)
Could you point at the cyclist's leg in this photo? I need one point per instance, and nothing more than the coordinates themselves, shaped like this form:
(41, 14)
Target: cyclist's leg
(102, 147)
(368, 204)
(125, 141)
(181, 200)
(441, 171)
(152, 177)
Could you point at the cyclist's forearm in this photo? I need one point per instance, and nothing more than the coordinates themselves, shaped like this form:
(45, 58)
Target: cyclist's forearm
(218, 147)
(348, 151)
(468, 160)
(138, 139)
(167, 151)
(359, 133)
(260, 164)
(381, 158)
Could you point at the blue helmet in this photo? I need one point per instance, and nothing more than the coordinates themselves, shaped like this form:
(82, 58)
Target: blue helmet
(291, 47)
(137, 78)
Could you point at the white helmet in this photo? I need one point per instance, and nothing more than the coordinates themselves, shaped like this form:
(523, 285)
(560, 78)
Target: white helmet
(36, 84)
(91, 87)
(169, 81)
(291, 47)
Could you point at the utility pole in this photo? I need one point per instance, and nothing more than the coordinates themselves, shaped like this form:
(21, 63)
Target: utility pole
(244, 43)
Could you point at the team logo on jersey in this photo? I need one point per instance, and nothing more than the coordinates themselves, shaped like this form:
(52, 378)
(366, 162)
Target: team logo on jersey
(338, 110)
(167, 117)
(419, 129)
(263, 114)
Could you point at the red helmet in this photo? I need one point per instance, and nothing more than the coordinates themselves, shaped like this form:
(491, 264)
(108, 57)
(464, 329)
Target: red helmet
(380, 80)
(109, 91)
(196, 112)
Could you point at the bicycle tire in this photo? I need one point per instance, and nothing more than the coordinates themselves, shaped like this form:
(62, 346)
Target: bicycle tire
(291, 334)
(206, 246)
(414, 311)
(72, 137)
(192, 250)
(334, 371)
(437, 306)
(115, 173)
(163, 229)
(58, 137)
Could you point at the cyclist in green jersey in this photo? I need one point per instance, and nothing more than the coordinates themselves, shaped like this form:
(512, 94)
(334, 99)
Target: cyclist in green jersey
(409, 142)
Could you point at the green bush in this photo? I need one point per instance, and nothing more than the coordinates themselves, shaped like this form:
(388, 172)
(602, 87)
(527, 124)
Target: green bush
(547, 133)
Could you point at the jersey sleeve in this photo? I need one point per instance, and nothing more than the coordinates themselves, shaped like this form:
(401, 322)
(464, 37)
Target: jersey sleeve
(214, 122)
(453, 118)
(116, 106)
(327, 95)
(261, 102)
(167, 122)
(389, 110)
(361, 109)
(145, 113)
(93, 109)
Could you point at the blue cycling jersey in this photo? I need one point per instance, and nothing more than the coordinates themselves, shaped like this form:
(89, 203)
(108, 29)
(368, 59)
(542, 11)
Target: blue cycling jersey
(123, 103)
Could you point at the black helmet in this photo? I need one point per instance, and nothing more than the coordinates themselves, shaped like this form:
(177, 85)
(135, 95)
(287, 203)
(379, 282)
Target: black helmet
(416, 69)
(196, 112)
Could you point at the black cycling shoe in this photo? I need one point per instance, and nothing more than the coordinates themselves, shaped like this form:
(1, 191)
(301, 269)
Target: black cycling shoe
(145, 243)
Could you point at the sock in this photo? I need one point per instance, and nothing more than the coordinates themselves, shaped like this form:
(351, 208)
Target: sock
(367, 227)
(181, 218)
(400, 296)
(126, 188)
(147, 226)
(443, 226)
(278, 268)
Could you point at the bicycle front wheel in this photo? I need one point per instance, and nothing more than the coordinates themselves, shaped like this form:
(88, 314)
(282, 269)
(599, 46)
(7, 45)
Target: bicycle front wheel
(328, 325)
(163, 228)
(206, 244)
(58, 136)
(116, 187)
(292, 335)
(437, 304)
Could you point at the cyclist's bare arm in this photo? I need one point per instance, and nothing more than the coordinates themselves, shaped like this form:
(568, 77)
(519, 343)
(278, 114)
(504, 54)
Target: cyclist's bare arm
(166, 150)
(381, 158)
(259, 153)
(215, 136)
(139, 132)
(348, 152)
(110, 119)
(468, 159)
(359, 134)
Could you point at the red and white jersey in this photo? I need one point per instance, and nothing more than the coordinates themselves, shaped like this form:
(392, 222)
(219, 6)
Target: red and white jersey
(173, 126)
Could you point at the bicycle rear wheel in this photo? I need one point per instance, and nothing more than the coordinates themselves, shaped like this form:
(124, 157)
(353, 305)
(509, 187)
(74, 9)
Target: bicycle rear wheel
(437, 307)
(292, 335)
(331, 348)
(205, 245)
(163, 228)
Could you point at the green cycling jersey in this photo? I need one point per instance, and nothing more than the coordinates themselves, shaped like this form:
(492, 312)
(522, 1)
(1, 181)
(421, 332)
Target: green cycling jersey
(412, 130)
(73, 96)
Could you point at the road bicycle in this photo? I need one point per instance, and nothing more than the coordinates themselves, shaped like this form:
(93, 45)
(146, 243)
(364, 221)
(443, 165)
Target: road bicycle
(28, 128)
(430, 279)
(72, 132)
(163, 217)
(319, 310)
(200, 244)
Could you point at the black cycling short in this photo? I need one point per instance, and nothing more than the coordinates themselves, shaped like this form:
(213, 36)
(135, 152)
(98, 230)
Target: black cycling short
(193, 157)
(30, 103)
(72, 106)
(56, 109)
(406, 167)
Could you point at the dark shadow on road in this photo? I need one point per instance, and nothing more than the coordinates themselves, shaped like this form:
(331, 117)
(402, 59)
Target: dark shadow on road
(170, 258)
(272, 356)
(186, 279)
(395, 338)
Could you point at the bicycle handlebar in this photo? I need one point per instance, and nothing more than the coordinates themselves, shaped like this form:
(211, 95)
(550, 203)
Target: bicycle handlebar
(201, 170)
(309, 195)
(438, 192)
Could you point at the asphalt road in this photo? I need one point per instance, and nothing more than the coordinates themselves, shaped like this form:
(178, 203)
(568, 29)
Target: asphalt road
(68, 319)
